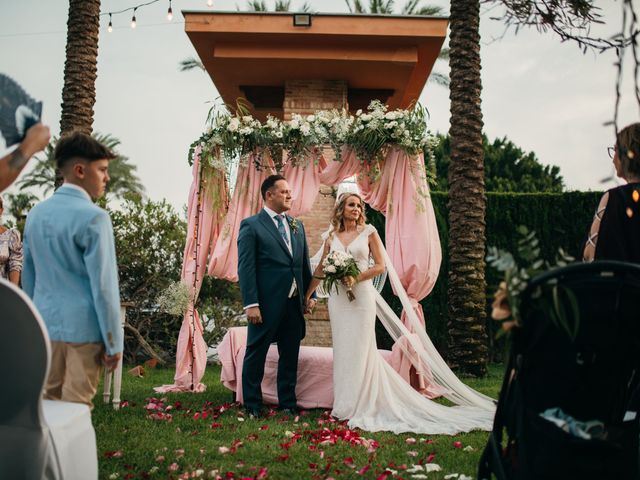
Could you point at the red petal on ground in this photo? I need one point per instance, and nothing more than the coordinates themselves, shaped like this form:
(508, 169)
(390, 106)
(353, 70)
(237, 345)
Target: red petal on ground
(262, 473)
(363, 470)
(282, 458)
(348, 462)
(313, 466)
(264, 427)
(383, 476)
(457, 444)
(252, 437)
(431, 457)
(216, 425)
(113, 454)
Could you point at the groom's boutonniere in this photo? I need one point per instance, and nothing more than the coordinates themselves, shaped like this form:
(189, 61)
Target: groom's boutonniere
(294, 224)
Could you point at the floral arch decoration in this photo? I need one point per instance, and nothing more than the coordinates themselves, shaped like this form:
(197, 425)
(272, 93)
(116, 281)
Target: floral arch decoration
(384, 149)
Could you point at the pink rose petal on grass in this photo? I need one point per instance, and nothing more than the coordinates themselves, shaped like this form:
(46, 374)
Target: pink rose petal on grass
(262, 473)
(173, 467)
(412, 453)
(223, 450)
(430, 458)
(349, 462)
(160, 458)
(363, 470)
(113, 454)
(410, 441)
(457, 444)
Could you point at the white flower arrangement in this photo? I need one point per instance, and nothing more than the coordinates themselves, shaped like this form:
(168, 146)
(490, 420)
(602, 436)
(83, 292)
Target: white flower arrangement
(369, 133)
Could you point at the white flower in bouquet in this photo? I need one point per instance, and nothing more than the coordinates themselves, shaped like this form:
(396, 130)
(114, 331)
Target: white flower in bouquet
(272, 123)
(365, 117)
(336, 266)
(391, 115)
(279, 134)
(246, 131)
(247, 118)
(311, 118)
(294, 124)
(234, 124)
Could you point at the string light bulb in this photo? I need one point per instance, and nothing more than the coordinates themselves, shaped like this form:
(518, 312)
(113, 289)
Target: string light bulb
(209, 3)
(169, 12)
(133, 19)
(110, 27)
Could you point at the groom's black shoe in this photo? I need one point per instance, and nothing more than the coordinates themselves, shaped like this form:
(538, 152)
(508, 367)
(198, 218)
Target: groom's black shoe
(289, 410)
(254, 412)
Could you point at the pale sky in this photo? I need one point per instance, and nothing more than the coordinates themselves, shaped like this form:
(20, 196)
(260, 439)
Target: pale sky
(545, 96)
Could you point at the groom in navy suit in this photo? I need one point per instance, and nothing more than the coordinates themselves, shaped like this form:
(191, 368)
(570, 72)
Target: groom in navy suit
(274, 271)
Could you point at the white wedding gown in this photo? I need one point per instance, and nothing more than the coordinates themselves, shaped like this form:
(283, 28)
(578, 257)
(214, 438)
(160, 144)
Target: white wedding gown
(367, 390)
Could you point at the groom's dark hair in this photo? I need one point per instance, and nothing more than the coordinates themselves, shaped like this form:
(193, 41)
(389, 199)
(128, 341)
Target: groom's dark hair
(268, 183)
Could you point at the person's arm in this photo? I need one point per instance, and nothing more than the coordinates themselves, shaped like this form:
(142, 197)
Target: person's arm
(247, 245)
(102, 269)
(11, 165)
(589, 252)
(15, 258)
(317, 274)
(28, 270)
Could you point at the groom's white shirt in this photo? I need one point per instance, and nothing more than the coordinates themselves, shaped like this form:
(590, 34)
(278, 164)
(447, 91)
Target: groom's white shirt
(273, 215)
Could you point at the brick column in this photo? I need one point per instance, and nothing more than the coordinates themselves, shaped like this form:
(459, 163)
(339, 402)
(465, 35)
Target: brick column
(306, 97)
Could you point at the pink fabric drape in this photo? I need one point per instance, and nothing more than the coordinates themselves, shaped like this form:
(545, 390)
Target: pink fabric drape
(246, 201)
(191, 350)
(304, 183)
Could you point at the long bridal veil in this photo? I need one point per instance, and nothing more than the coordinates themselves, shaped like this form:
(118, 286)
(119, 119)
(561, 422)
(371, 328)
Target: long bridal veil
(418, 347)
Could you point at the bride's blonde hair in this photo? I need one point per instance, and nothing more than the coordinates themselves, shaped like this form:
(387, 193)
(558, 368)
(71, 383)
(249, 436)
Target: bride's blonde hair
(337, 219)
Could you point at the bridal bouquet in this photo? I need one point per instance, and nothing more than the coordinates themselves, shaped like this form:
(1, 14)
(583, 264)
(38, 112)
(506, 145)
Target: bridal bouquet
(335, 267)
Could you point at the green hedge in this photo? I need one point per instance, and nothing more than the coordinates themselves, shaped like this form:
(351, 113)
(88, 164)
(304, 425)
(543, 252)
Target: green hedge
(559, 219)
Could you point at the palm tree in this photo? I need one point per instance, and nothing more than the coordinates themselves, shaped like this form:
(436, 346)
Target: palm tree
(468, 349)
(124, 179)
(411, 7)
(80, 68)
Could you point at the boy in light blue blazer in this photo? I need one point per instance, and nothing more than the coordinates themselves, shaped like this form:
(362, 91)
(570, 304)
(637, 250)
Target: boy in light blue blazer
(71, 274)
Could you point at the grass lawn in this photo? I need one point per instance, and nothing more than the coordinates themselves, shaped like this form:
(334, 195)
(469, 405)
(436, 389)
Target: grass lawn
(205, 435)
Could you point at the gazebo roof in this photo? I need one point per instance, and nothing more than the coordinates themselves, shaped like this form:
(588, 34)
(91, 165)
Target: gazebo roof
(253, 54)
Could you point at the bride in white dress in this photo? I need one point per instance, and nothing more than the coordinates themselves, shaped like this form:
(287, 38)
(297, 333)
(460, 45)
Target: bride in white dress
(367, 390)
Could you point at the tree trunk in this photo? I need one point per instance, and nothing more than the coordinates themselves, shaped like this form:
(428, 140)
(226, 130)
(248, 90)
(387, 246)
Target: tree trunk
(468, 350)
(80, 68)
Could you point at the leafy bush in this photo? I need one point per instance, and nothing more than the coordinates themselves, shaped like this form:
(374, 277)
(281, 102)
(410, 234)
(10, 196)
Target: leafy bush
(150, 238)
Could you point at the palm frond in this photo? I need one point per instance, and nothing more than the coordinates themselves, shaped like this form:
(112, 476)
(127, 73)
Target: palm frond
(431, 10)
(190, 63)
(283, 5)
(444, 54)
(257, 6)
(440, 79)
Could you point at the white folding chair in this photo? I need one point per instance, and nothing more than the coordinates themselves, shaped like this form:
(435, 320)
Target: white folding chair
(38, 439)
(116, 375)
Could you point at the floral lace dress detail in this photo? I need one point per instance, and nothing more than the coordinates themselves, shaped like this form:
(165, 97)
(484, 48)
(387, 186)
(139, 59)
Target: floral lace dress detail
(10, 252)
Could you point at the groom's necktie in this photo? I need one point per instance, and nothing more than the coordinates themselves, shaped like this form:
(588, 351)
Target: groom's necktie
(281, 229)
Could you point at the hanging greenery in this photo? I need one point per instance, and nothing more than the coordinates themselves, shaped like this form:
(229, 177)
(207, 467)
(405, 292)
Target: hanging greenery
(369, 133)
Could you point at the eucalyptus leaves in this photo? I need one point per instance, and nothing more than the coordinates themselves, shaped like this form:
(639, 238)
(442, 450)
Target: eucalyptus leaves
(369, 134)
(518, 272)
